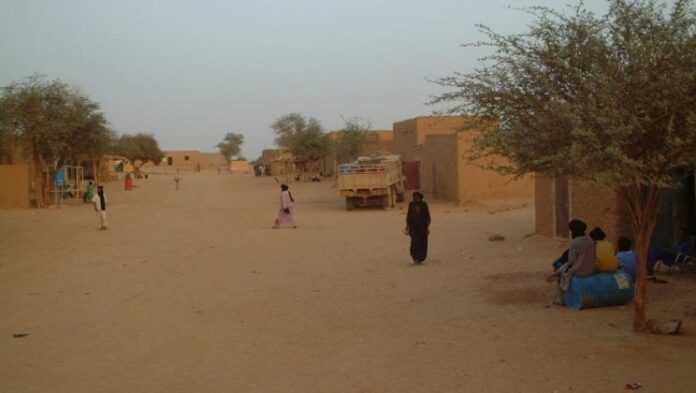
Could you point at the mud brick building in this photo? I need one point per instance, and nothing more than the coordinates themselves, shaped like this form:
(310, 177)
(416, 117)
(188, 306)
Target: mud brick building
(182, 159)
(212, 161)
(560, 199)
(434, 151)
(14, 189)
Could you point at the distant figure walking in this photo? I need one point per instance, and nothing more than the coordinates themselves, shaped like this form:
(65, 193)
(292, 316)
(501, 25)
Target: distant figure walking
(418, 227)
(99, 201)
(285, 216)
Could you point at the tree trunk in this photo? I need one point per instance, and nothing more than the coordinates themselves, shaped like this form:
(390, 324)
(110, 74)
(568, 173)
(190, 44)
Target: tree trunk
(95, 173)
(38, 180)
(642, 246)
(136, 169)
(642, 204)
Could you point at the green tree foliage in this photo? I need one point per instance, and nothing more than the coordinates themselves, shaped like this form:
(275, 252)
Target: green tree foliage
(303, 137)
(52, 122)
(7, 140)
(609, 99)
(287, 126)
(89, 134)
(231, 145)
(139, 149)
(351, 140)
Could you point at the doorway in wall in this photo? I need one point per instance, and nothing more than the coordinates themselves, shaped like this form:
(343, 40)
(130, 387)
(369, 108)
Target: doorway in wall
(412, 173)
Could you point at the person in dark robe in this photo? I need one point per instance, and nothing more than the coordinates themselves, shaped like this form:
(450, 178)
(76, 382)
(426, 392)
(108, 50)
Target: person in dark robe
(418, 227)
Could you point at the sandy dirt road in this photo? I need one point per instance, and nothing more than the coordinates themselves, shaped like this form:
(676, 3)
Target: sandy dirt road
(192, 291)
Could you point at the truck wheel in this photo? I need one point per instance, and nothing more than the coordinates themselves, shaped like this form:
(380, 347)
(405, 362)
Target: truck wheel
(350, 205)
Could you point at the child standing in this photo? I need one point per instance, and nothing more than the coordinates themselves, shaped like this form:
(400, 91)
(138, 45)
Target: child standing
(99, 201)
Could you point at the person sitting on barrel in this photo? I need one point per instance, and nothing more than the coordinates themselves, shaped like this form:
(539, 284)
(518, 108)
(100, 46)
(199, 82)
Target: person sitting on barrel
(606, 254)
(581, 259)
(627, 257)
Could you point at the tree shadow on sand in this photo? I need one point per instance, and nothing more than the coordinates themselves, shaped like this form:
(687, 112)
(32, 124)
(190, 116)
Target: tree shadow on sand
(516, 288)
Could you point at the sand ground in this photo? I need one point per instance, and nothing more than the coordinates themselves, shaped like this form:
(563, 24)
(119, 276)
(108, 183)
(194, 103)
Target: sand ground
(192, 291)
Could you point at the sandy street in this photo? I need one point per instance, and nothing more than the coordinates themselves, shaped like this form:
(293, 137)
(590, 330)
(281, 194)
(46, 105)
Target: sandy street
(192, 291)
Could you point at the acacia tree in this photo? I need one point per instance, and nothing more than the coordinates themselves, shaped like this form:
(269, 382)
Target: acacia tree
(609, 99)
(7, 140)
(351, 140)
(98, 140)
(231, 145)
(139, 149)
(287, 126)
(303, 137)
(90, 136)
(50, 120)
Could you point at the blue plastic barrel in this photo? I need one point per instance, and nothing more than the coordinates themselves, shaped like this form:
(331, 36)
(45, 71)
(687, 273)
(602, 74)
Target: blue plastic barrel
(600, 289)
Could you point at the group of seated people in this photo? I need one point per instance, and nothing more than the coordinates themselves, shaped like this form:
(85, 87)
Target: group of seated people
(592, 253)
(595, 253)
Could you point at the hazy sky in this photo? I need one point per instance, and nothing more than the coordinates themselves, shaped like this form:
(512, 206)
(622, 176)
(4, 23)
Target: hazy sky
(191, 71)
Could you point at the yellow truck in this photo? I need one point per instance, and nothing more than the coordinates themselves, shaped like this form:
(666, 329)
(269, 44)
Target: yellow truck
(373, 180)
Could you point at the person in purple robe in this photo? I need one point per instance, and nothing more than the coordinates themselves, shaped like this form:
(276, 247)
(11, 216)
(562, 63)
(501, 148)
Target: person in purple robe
(285, 216)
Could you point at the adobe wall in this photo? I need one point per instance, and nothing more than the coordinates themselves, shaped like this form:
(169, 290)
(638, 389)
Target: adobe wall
(599, 206)
(266, 156)
(383, 144)
(596, 205)
(543, 206)
(14, 191)
(437, 125)
(179, 159)
(240, 167)
(12, 153)
(477, 184)
(278, 160)
(406, 140)
(212, 160)
(439, 167)
(410, 135)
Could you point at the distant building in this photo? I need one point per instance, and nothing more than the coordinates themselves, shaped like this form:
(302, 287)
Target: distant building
(182, 159)
(212, 161)
(240, 167)
(435, 161)
(279, 162)
(17, 177)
